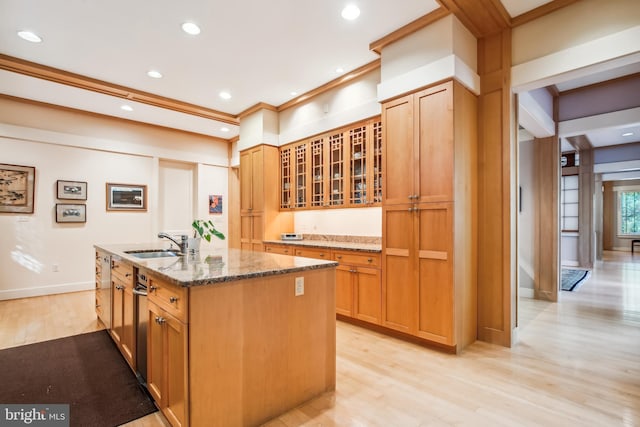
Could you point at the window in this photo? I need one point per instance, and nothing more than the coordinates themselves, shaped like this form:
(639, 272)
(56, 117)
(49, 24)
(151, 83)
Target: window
(629, 212)
(569, 203)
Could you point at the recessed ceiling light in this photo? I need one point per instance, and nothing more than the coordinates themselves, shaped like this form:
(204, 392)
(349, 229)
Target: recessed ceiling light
(225, 95)
(126, 108)
(294, 93)
(350, 12)
(224, 129)
(29, 36)
(154, 74)
(339, 70)
(627, 134)
(191, 28)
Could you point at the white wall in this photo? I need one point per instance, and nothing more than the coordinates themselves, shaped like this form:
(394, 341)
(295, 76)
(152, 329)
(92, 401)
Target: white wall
(341, 222)
(60, 145)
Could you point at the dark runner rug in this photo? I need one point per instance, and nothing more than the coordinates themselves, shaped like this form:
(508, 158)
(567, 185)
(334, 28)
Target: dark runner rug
(85, 371)
(572, 278)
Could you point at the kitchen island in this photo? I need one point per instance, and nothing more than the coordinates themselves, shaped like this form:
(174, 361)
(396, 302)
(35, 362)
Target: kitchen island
(235, 338)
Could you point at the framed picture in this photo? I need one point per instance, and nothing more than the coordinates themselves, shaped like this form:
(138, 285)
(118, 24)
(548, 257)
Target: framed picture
(126, 197)
(71, 190)
(215, 204)
(68, 212)
(17, 186)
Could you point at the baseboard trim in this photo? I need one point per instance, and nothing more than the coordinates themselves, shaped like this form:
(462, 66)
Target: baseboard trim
(46, 290)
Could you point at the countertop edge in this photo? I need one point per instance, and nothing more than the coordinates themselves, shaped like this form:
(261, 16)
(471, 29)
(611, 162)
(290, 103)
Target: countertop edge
(345, 246)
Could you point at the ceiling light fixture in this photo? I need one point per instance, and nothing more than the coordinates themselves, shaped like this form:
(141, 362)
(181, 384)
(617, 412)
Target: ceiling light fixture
(154, 74)
(225, 95)
(350, 12)
(627, 134)
(191, 28)
(126, 108)
(29, 36)
(294, 93)
(224, 129)
(339, 70)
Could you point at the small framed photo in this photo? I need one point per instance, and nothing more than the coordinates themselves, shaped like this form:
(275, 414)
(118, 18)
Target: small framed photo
(215, 204)
(68, 212)
(126, 197)
(17, 187)
(71, 190)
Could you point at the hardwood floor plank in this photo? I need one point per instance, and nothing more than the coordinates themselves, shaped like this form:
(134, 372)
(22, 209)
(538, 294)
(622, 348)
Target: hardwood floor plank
(577, 363)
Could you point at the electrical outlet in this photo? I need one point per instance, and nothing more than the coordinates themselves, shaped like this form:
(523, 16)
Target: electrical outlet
(299, 286)
(55, 268)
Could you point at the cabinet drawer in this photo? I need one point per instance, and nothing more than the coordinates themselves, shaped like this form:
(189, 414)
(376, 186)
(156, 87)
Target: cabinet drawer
(357, 258)
(173, 299)
(279, 249)
(122, 272)
(313, 253)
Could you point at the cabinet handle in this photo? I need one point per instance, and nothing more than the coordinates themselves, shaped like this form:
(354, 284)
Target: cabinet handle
(160, 320)
(118, 287)
(369, 260)
(268, 249)
(352, 271)
(128, 275)
(152, 288)
(321, 255)
(339, 256)
(173, 300)
(286, 251)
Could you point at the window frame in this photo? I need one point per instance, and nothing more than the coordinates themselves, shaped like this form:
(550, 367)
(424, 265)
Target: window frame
(619, 191)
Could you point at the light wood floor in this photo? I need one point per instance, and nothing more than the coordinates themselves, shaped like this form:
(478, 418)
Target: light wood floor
(577, 363)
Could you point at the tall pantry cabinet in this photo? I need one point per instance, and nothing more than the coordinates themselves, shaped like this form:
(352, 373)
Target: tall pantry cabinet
(429, 215)
(260, 218)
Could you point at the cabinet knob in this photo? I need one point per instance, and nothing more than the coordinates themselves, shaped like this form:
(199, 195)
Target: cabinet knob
(173, 299)
(152, 288)
(369, 260)
(160, 320)
(352, 271)
(339, 257)
(321, 255)
(128, 275)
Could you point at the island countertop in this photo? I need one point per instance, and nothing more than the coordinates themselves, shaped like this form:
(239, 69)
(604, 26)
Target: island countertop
(211, 266)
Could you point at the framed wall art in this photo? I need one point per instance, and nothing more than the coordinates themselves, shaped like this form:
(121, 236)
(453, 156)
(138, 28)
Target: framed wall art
(215, 204)
(17, 187)
(126, 197)
(68, 212)
(71, 190)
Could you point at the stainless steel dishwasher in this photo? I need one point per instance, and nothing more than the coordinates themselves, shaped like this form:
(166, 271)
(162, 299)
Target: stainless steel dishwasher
(142, 317)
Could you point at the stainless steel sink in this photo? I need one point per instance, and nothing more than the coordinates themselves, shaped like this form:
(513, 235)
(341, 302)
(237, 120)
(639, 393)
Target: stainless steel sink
(153, 253)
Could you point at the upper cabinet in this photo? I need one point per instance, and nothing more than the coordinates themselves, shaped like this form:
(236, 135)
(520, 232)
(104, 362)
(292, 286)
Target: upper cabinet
(421, 158)
(342, 168)
(260, 217)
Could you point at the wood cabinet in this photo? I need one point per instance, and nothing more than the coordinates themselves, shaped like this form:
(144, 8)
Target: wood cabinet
(123, 328)
(99, 297)
(259, 214)
(358, 285)
(338, 169)
(279, 249)
(167, 367)
(429, 215)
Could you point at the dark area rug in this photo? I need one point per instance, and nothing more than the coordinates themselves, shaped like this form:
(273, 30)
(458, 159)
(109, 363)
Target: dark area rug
(84, 371)
(571, 278)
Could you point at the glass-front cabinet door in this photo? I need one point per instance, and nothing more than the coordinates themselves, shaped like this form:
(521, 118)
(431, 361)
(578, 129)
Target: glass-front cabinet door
(342, 168)
(336, 169)
(318, 179)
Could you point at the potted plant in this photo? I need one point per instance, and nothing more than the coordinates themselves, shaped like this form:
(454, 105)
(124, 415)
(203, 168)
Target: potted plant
(202, 229)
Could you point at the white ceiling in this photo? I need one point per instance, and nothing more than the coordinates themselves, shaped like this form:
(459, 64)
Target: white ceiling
(258, 51)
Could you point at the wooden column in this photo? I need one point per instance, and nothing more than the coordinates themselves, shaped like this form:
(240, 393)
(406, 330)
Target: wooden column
(586, 249)
(547, 228)
(496, 184)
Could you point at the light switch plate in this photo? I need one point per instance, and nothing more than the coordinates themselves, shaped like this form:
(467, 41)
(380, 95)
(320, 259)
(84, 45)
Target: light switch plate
(299, 286)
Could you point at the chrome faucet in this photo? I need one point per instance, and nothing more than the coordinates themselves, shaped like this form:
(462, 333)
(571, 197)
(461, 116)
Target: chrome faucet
(182, 245)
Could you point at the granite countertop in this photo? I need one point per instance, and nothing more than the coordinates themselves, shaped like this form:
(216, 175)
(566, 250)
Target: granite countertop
(331, 244)
(212, 266)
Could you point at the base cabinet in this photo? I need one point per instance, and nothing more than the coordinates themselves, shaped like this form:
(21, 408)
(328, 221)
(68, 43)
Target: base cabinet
(358, 286)
(167, 370)
(123, 321)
